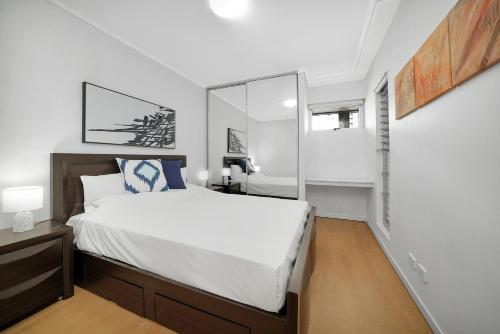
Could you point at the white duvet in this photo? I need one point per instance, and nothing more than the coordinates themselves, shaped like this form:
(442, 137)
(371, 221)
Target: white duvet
(238, 247)
(260, 184)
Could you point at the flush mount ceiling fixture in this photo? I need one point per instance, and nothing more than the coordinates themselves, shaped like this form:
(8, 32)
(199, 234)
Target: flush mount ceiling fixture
(290, 103)
(229, 9)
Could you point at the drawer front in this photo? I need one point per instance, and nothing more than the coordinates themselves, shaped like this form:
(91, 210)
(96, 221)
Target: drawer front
(185, 319)
(126, 295)
(21, 299)
(26, 263)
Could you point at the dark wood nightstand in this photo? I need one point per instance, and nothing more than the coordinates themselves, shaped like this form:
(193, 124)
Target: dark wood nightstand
(230, 188)
(36, 269)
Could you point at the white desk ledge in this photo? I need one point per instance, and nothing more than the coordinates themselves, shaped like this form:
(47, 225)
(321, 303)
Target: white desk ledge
(341, 183)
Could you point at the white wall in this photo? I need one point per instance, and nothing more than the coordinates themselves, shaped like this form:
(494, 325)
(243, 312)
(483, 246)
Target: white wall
(45, 55)
(338, 154)
(278, 151)
(445, 198)
(337, 92)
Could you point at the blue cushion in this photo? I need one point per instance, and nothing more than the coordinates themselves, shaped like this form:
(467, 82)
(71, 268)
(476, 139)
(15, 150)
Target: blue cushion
(172, 171)
(247, 166)
(142, 175)
(243, 164)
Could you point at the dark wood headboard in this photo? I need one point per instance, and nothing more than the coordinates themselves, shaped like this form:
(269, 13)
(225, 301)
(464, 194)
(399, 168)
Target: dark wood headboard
(228, 161)
(66, 169)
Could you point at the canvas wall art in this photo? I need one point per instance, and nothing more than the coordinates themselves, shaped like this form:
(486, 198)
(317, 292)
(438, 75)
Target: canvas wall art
(432, 66)
(236, 141)
(474, 37)
(405, 89)
(110, 117)
(464, 44)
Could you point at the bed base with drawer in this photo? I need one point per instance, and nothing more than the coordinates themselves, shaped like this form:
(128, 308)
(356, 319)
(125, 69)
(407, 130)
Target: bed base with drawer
(178, 306)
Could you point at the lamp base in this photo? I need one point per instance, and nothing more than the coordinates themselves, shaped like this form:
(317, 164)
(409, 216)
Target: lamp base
(23, 221)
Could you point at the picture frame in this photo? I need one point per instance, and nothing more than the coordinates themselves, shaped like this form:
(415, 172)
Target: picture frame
(114, 118)
(236, 141)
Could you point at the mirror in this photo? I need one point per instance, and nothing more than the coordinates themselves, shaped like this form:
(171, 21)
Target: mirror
(253, 138)
(227, 136)
(273, 137)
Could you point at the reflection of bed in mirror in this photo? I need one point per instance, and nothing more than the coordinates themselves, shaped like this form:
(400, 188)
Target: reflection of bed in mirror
(260, 184)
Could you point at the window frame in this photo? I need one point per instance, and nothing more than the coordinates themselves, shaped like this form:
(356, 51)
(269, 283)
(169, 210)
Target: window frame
(335, 107)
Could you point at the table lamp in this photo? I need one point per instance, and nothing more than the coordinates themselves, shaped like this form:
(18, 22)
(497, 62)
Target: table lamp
(257, 168)
(22, 200)
(203, 177)
(225, 175)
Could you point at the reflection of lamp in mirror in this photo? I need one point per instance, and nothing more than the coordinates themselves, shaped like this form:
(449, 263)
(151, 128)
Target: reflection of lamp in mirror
(257, 168)
(203, 177)
(290, 103)
(22, 200)
(225, 175)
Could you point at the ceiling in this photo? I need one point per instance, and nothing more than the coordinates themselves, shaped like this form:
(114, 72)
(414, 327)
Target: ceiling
(330, 40)
(263, 99)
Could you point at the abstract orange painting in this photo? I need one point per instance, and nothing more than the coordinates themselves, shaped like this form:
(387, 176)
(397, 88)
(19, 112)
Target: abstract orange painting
(432, 66)
(405, 90)
(474, 37)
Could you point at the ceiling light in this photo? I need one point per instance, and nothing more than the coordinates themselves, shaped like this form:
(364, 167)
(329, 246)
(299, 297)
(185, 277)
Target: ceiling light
(290, 103)
(229, 9)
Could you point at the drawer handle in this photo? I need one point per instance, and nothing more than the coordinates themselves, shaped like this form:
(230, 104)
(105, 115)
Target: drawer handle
(26, 285)
(26, 252)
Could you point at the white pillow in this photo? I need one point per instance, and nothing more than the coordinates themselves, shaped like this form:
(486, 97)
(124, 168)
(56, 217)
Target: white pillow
(184, 174)
(96, 187)
(235, 171)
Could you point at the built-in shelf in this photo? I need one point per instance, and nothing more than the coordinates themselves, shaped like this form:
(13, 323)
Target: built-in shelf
(341, 183)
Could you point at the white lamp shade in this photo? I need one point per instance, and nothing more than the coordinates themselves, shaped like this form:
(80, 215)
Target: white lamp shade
(226, 171)
(22, 199)
(257, 168)
(203, 175)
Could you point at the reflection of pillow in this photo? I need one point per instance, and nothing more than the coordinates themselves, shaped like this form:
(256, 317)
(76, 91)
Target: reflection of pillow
(95, 187)
(243, 164)
(172, 171)
(142, 175)
(251, 168)
(235, 171)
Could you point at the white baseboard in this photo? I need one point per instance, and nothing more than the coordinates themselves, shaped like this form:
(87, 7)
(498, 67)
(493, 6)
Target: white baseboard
(328, 214)
(427, 315)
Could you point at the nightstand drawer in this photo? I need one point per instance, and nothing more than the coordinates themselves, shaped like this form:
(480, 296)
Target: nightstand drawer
(24, 264)
(30, 295)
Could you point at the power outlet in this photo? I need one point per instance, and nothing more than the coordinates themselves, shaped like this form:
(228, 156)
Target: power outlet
(412, 261)
(422, 273)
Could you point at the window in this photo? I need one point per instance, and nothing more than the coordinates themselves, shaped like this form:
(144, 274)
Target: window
(336, 115)
(384, 148)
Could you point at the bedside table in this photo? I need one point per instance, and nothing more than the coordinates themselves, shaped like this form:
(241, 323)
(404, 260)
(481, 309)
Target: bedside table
(231, 188)
(36, 269)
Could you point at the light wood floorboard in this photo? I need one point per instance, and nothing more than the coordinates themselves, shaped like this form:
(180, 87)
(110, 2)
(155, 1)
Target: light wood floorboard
(354, 289)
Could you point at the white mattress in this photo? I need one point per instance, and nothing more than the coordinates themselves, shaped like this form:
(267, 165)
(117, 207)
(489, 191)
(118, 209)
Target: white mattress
(238, 247)
(260, 184)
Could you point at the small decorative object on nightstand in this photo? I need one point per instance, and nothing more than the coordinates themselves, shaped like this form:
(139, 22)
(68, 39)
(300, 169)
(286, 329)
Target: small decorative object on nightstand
(225, 175)
(36, 269)
(22, 200)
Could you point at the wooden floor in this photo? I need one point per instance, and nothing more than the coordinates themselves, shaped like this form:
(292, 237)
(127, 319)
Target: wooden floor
(354, 290)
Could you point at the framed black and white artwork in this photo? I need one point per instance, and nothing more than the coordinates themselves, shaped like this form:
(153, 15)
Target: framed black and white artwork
(236, 141)
(110, 117)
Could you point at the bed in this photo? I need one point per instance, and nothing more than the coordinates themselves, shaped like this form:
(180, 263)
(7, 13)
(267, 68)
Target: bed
(259, 184)
(263, 289)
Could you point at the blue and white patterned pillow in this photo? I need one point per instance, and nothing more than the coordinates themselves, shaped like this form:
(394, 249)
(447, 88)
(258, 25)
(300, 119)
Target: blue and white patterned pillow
(142, 175)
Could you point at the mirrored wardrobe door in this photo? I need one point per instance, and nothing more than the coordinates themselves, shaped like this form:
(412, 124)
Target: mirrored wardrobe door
(273, 137)
(227, 139)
